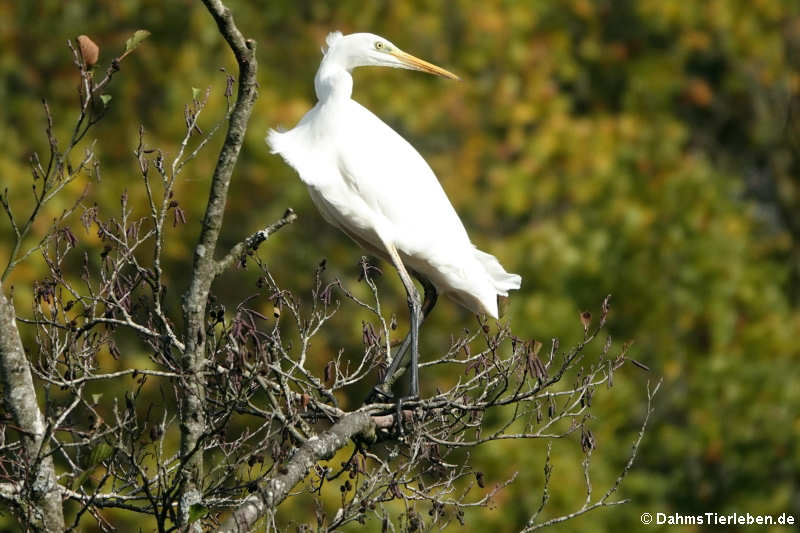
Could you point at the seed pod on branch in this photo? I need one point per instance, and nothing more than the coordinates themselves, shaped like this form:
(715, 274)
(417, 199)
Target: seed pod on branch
(90, 52)
(586, 320)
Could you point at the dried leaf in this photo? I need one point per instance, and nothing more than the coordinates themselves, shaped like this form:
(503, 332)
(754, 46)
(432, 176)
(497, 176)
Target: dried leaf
(588, 442)
(536, 367)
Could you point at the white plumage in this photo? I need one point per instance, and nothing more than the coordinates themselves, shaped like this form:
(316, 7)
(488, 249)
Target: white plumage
(372, 184)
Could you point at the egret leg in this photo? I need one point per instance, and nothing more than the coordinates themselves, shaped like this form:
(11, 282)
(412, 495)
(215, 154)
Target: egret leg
(415, 310)
(428, 302)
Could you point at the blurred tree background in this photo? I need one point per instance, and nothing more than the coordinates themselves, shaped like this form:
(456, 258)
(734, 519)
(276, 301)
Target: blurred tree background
(649, 149)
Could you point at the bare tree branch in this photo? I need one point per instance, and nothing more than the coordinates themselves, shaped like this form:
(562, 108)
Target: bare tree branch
(255, 240)
(605, 500)
(193, 424)
(274, 490)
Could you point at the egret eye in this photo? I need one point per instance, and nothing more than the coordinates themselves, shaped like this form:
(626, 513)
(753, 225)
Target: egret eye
(379, 45)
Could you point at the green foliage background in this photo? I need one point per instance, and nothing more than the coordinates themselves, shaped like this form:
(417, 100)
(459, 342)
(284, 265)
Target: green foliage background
(649, 149)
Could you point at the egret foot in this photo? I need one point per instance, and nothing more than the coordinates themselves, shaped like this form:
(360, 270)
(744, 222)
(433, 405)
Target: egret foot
(378, 395)
(399, 418)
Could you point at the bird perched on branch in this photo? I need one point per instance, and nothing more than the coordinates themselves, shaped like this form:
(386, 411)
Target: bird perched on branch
(369, 182)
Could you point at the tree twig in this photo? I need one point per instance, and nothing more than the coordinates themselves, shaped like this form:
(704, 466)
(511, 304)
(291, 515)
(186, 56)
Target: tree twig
(204, 266)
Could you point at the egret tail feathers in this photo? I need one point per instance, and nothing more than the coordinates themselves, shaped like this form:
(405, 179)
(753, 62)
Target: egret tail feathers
(502, 280)
(486, 283)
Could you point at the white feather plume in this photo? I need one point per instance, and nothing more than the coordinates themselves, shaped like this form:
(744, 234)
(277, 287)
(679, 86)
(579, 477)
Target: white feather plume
(330, 40)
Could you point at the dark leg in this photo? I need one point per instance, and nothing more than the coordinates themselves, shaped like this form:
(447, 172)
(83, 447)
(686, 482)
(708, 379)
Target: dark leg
(427, 305)
(430, 295)
(429, 301)
(415, 309)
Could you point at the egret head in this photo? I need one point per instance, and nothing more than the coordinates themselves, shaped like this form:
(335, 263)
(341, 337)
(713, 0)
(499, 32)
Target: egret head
(367, 49)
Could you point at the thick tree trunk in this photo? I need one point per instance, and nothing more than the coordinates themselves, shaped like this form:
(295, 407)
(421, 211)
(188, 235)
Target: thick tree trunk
(19, 397)
(205, 267)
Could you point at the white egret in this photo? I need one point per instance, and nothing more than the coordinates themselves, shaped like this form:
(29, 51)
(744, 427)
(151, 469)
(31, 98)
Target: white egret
(369, 182)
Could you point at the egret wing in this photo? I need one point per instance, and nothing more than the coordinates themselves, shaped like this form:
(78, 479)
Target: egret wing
(393, 179)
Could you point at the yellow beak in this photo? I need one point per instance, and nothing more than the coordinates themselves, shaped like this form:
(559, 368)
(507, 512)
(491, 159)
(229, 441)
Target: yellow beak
(419, 64)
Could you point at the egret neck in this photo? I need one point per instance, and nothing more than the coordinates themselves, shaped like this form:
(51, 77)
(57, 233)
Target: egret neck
(333, 81)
